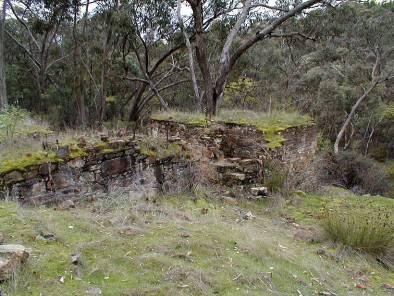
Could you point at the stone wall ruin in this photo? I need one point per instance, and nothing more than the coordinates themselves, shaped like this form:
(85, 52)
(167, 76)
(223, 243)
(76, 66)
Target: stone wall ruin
(236, 153)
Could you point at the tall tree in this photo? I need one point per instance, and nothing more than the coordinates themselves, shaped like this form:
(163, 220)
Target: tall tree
(3, 89)
(215, 80)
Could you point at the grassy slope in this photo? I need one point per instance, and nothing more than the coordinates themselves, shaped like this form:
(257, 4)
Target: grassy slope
(135, 247)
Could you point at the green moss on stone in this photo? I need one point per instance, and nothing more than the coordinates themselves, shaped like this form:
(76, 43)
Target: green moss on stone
(158, 148)
(77, 152)
(269, 124)
(21, 164)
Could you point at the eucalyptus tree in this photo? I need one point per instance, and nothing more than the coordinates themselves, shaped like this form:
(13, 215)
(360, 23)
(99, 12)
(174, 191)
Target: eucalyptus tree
(375, 47)
(257, 21)
(3, 89)
(38, 33)
(150, 42)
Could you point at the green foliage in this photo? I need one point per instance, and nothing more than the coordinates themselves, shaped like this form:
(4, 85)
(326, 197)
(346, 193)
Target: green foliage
(10, 118)
(388, 112)
(240, 93)
(364, 227)
(389, 168)
(17, 122)
(158, 148)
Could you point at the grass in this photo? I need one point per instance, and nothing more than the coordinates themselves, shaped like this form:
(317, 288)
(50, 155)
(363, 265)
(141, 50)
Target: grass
(270, 125)
(158, 148)
(363, 227)
(131, 246)
(389, 165)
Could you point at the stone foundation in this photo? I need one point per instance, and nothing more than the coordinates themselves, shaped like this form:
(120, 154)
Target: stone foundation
(95, 175)
(229, 145)
(236, 154)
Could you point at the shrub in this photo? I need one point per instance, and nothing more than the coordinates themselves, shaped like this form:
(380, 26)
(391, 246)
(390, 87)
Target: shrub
(359, 173)
(275, 176)
(369, 229)
(10, 117)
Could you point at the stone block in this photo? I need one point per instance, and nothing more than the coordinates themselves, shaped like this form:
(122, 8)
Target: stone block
(13, 177)
(76, 163)
(64, 178)
(115, 166)
(259, 191)
(46, 168)
(11, 258)
(38, 188)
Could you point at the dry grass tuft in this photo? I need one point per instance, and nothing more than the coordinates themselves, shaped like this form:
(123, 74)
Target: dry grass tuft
(369, 230)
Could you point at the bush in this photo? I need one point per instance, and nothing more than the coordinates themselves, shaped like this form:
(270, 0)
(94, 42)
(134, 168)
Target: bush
(358, 173)
(366, 229)
(275, 177)
(10, 117)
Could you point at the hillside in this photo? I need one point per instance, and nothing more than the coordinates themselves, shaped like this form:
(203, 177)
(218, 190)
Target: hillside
(181, 245)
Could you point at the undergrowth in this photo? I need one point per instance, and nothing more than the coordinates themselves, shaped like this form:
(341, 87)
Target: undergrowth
(362, 228)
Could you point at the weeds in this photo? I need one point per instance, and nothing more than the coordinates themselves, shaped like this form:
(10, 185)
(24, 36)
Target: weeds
(159, 148)
(366, 229)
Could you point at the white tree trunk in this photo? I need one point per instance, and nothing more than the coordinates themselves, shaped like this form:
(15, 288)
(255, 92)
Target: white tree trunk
(350, 116)
(190, 53)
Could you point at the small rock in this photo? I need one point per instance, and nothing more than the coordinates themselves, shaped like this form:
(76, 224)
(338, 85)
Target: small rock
(249, 216)
(237, 176)
(67, 204)
(76, 259)
(259, 191)
(46, 236)
(184, 234)
(93, 291)
(389, 287)
(11, 257)
(361, 286)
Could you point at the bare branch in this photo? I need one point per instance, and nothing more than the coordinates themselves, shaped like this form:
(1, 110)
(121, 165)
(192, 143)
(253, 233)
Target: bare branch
(292, 34)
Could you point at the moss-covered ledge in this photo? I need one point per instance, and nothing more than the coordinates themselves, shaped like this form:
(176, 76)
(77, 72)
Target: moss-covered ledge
(270, 125)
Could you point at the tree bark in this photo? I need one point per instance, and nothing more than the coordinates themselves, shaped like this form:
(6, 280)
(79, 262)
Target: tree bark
(202, 57)
(78, 75)
(3, 89)
(190, 54)
(350, 116)
(104, 69)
